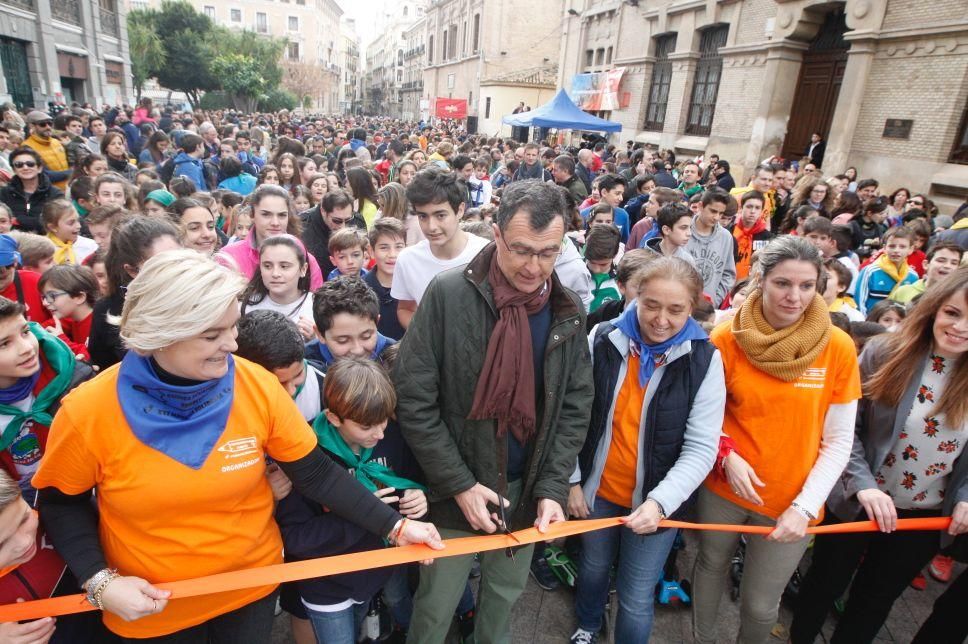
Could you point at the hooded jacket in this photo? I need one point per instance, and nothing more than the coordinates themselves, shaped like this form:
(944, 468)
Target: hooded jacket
(714, 258)
(188, 166)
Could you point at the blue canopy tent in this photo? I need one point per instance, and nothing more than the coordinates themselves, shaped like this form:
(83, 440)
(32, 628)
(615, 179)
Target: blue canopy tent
(561, 113)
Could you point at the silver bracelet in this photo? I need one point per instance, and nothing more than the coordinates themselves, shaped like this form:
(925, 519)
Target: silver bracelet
(802, 510)
(96, 584)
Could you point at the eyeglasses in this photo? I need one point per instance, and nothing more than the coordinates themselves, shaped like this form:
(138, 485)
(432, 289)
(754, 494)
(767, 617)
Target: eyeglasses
(24, 164)
(525, 254)
(50, 296)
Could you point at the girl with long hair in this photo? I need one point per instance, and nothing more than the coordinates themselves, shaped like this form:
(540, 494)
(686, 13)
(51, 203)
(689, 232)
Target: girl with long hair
(115, 149)
(93, 166)
(196, 223)
(288, 170)
(813, 191)
(272, 214)
(907, 462)
(156, 150)
(282, 283)
(360, 185)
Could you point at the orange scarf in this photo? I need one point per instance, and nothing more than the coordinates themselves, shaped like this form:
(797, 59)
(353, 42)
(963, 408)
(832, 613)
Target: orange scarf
(744, 246)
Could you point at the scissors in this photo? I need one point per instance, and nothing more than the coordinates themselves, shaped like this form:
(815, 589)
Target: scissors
(509, 551)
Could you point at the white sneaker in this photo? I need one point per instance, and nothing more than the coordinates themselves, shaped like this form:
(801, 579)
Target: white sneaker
(581, 636)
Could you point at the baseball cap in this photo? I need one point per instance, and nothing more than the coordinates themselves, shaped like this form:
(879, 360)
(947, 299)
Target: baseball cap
(8, 251)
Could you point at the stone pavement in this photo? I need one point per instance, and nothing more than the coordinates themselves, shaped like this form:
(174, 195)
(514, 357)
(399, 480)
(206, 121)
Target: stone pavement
(542, 617)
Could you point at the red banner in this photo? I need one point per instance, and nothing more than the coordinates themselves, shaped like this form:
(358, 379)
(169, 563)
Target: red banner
(450, 108)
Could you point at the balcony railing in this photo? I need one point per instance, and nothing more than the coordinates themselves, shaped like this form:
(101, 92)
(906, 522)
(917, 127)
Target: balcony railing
(415, 85)
(109, 22)
(416, 51)
(66, 10)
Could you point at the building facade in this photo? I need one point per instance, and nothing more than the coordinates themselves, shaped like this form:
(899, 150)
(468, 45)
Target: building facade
(415, 107)
(885, 82)
(482, 50)
(311, 28)
(385, 57)
(64, 51)
(349, 90)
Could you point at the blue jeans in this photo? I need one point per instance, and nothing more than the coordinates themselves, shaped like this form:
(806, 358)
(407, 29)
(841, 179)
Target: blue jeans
(340, 627)
(396, 593)
(641, 559)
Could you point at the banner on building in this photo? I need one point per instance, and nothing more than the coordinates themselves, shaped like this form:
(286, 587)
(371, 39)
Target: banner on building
(450, 108)
(598, 91)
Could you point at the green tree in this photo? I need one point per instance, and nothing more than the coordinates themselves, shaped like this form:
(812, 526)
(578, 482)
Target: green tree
(186, 36)
(242, 78)
(146, 48)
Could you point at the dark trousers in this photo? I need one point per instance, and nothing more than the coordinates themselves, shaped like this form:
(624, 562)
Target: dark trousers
(947, 623)
(250, 624)
(889, 563)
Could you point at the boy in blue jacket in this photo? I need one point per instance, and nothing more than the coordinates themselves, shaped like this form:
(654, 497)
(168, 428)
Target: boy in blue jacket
(879, 279)
(356, 432)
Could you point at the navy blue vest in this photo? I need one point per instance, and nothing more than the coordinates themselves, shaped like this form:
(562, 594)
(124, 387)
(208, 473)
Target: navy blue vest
(666, 416)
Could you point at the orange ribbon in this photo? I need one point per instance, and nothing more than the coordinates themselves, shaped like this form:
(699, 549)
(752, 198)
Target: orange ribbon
(354, 562)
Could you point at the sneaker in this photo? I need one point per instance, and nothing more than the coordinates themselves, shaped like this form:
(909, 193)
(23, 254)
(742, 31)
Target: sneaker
(581, 636)
(543, 575)
(561, 565)
(919, 582)
(465, 626)
(940, 568)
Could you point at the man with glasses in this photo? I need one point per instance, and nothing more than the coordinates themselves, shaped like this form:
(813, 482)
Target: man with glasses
(20, 286)
(438, 200)
(49, 148)
(331, 214)
(494, 398)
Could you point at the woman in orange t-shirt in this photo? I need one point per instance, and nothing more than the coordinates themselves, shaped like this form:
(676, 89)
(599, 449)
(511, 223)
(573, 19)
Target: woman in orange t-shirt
(175, 440)
(792, 385)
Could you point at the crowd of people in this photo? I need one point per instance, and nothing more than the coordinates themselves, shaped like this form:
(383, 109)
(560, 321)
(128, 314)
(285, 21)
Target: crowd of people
(229, 340)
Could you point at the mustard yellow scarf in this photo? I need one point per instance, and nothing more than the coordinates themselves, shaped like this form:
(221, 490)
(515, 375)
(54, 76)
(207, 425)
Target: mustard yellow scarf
(64, 251)
(787, 353)
(895, 273)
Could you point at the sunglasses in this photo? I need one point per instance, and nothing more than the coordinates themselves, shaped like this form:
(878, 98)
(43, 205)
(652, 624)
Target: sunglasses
(44, 123)
(916, 203)
(24, 164)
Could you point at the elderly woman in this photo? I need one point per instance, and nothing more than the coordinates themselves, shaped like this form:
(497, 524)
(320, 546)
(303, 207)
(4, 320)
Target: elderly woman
(792, 386)
(653, 438)
(175, 440)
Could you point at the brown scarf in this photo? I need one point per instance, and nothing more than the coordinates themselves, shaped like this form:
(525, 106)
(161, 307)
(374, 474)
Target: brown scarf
(505, 388)
(785, 354)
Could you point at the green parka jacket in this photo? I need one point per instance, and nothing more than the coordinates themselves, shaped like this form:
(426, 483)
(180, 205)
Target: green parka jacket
(436, 373)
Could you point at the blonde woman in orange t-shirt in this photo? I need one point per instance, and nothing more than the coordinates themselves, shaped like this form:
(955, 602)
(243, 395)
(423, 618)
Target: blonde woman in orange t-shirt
(175, 440)
(792, 386)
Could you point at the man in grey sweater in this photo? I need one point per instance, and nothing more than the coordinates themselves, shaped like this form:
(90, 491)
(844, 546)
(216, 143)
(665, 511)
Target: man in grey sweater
(711, 246)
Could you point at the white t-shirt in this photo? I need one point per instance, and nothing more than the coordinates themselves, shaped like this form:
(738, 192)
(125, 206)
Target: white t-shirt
(83, 247)
(299, 309)
(417, 266)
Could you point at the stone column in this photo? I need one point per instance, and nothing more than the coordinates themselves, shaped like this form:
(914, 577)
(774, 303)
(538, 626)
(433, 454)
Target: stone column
(680, 94)
(46, 49)
(860, 57)
(783, 60)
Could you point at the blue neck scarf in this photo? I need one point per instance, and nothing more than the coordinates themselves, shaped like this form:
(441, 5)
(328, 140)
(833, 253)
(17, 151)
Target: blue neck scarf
(628, 323)
(381, 343)
(181, 422)
(19, 391)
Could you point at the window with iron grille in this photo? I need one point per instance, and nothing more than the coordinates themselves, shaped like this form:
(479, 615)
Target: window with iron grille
(661, 79)
(705, 86)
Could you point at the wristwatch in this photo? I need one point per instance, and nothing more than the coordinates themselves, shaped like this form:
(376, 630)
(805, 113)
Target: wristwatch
(662, 513)
(97, 584)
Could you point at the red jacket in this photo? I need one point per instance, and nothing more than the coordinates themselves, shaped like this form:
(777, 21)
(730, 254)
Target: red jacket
(24, 289)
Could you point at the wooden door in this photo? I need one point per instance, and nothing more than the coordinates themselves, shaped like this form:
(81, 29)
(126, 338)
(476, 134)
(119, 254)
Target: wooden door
(818, 86)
